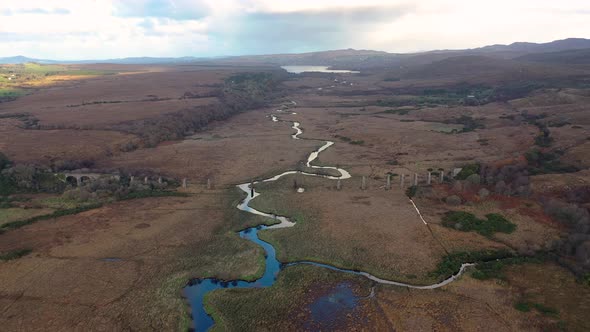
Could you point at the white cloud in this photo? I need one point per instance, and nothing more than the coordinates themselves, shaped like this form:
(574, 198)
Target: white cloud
(74, 29)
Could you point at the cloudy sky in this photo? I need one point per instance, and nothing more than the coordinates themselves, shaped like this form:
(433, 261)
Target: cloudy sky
(100, 29)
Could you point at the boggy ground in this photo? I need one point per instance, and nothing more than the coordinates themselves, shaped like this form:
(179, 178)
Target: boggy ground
(122, 266)
(465, 305)
(379, 232)
(162, 242)
(245, 147)
(373, 230)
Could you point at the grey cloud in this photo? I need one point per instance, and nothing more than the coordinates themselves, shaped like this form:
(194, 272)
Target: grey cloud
(307, 30)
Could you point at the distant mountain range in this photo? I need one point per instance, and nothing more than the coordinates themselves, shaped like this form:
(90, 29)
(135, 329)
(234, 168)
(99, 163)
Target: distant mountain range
(554, 46)
(134, 60)
(567, 51)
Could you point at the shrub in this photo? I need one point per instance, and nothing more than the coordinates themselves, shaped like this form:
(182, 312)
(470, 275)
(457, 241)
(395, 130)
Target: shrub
(545, 310)
(152, 193)
(468, 170)
(7, 185)
(466, 222)
(14, 254)
(469, 123)
(56, 214)
(453, 200)
(4, 161)
(525, 306)
(451, 263)
(398, 111)
(522, 306)
(411, 191)
(494, 269)
(547, 162)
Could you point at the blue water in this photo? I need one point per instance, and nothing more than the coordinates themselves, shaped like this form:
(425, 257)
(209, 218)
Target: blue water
(198, 288)
(331, 309)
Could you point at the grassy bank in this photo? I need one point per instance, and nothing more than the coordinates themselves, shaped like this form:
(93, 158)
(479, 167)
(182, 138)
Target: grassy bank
(256, 309)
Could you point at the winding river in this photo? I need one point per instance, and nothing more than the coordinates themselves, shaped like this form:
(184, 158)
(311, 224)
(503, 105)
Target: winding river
(196, 289)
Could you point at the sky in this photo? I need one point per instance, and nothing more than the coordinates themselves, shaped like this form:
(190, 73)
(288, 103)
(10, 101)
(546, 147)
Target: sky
(105, 29)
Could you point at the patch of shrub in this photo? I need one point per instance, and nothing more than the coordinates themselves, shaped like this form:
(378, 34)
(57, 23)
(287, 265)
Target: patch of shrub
(494, 269)
(547, 162)
(4, 161)
(515, 90)
(399, 111)
(522, 306)
(466, 222)
(453, 200)
(469, 123)
(468, 170)
(14, 254)
(545, 310)
(56, 214)
(152, 193)
(343, 138)
(483, 141)
(411, 191)
(544, 140)
(526, 306)
(451, 263)
(7, 185)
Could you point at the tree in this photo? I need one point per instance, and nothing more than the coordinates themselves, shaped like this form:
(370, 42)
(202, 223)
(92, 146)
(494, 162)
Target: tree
(4, 161)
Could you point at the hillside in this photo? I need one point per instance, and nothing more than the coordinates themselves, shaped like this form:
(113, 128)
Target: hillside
(480, 68)
(554, 46)
(581, 56)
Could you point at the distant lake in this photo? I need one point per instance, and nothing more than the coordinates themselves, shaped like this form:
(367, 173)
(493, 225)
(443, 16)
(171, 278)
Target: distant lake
(316, 69)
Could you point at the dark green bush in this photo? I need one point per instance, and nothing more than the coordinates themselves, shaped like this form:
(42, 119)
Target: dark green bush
(411, 191)
(152, 193)
(453, 261)
(56, 214)
(468, 170)
(522, 306)
(466, 222)
(14, 254)
(4, 161)
(494, 269)
(547, 162)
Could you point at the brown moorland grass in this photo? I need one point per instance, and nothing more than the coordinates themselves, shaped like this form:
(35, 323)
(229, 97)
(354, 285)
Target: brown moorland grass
(128, 97)
(244, 147)
(467, 304)
(414, 145)
(375, 231)
(30, 146)
(123, 265)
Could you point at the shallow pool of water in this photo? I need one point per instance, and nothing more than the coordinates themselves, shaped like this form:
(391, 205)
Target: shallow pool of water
(331, 309)
(316, 69)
